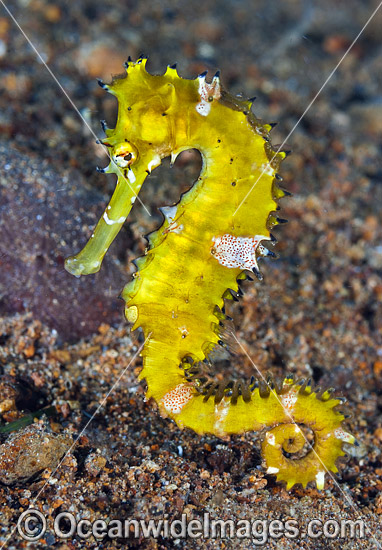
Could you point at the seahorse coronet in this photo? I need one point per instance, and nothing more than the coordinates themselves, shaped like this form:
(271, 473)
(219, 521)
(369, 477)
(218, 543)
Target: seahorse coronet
(208, 242)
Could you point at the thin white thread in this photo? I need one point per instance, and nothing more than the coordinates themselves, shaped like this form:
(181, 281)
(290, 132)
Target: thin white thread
(69, 99)
(310, 104)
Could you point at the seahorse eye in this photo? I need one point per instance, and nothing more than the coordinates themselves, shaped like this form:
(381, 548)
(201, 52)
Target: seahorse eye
(125, 154)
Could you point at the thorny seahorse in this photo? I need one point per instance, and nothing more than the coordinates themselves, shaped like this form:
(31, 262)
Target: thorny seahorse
(208, 241)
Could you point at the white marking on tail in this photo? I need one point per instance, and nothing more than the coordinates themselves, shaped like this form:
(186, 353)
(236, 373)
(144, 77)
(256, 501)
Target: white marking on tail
(339, 433)
(221, 412)
(270, 439)
(289, 399)
(176, 399)
(320, 480)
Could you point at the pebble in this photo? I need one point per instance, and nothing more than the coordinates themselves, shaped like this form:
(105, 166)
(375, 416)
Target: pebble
(29, 451)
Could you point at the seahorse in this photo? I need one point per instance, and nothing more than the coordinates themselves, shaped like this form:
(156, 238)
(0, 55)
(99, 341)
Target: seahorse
(208, 242)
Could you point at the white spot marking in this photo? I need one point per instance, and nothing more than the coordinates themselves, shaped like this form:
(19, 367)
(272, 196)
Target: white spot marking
(169, 212)
(133, 200)
(266, 168)
(272, 470)
(320, 480)
(131, 176)
(234, 252)
(288, 400)
(153, 164)
(112, 222)
(184, 331)
(207, 92)
(176, 399)
(203, 108)
(174, 228)
(339, 433)
(270, 439)
(263, 251)
(120, 161)
(221, 412)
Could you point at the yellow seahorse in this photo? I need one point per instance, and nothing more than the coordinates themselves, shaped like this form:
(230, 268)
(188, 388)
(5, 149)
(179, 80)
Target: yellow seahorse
(208, 241)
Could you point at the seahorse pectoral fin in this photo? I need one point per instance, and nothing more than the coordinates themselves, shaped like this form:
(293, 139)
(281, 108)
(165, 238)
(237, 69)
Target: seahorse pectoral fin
(90, 258)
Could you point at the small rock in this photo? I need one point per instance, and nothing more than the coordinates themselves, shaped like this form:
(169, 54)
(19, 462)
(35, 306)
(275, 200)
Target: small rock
(94, 463)
(9, 393)
(29, 451)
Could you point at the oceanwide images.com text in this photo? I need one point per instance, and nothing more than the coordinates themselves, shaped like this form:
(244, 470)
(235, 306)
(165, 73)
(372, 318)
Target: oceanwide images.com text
(32, 525)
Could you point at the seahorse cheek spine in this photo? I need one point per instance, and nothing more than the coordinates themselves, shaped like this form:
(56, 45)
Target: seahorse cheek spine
(207, 242)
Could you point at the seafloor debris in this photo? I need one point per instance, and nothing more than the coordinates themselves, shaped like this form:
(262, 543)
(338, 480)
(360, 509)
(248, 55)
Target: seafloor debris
(27, 452)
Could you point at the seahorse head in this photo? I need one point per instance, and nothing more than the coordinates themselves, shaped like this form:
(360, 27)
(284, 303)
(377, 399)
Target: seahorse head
(146, 120)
